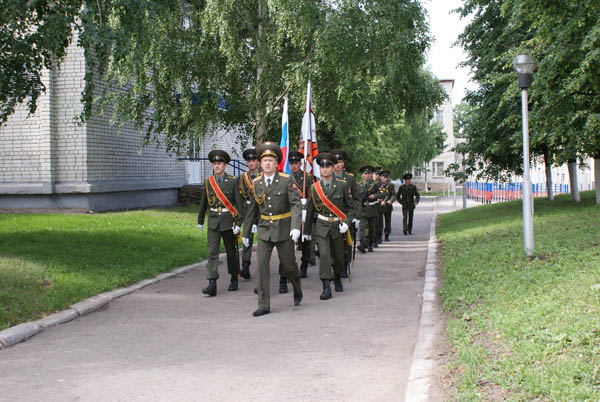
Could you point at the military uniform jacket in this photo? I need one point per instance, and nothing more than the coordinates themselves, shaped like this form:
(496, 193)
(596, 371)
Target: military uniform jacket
(407, 195)
(368, 206)
(268, 204)
(219, 217)
(340, 196)
(246, 190)
(353, 187)
(390, 195)
(298, 180)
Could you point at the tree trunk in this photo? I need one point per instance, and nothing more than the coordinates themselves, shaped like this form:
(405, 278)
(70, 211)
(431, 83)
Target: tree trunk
(573, 181)
(597, 178)
(260, 121)
(426, 188)
(548, 163)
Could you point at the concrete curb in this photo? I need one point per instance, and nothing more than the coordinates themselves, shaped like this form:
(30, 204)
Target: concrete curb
(420, 375)
(22, 332)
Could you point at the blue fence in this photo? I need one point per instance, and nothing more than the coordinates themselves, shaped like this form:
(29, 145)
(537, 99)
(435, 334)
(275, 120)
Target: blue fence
(488, 192)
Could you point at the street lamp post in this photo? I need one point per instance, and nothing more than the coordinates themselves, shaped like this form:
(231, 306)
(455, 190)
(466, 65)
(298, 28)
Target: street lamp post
(524, 65)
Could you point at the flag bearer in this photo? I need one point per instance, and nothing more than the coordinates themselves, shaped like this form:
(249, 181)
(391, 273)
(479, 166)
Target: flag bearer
(222, 201)
(333, 207)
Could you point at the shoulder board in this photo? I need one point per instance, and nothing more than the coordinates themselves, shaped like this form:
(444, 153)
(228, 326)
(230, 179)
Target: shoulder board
(283, 174)
(342, 180)
(231, 177)
(350, 174)
(256, 178)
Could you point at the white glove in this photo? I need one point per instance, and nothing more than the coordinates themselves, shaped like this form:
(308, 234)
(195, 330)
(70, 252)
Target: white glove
(236, 229)
(254, 229)
(303, 215)
(356, 222)
(343, 227)
(200, 227)
(246, 241)
(295, 234)
(303, 201)
(306, 237)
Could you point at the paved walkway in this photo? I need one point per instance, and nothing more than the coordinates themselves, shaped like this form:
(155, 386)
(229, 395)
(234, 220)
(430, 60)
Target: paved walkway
(168, 342)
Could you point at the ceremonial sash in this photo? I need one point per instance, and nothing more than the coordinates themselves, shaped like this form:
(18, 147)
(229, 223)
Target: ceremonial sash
(296, 186)
(328, 203)
(248, 181)
(222, 197)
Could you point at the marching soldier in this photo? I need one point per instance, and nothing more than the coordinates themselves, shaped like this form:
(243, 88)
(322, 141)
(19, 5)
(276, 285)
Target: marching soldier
(277, 208)
(379, 219)
(222, 200)
(333, 207)
(369, 196)
(408, 196)
(340, 173)
(245, 185)
(386, 204)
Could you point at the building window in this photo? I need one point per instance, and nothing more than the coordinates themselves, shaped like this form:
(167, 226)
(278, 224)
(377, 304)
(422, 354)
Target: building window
(437, 169)
(438, 117)
(418, 172)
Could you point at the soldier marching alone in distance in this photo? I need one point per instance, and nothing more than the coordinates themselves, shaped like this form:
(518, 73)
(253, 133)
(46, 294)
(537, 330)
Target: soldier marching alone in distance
(333, 207)
(339, 172)
(222, 201)
(387, 202)
(245, 186)
(277, 210)
(408, 196)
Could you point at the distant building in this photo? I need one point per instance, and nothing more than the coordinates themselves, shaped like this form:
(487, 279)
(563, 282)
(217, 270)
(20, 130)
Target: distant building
(49, 160)
(432, 172)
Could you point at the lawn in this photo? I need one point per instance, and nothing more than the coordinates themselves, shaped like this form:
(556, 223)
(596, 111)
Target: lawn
(524, 328)
(50, 261)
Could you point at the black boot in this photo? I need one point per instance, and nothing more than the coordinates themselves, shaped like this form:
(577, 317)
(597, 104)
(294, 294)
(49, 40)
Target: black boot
(313, 262)
(233, 286)
(345, 272)
(297, 293)
(405, 232)
(379, 241)
(245, 272)
(370, 249)
(211, 289)
(283, 288)
(375, 244)
(338, 284)
(361, 248)
(326, 290)
(387, 237)
(303, 269)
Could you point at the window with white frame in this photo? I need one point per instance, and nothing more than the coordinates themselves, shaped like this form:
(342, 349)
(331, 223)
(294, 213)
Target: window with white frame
(437, 169)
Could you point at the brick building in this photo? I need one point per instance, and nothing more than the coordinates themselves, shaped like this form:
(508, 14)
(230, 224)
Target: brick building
(49, 160)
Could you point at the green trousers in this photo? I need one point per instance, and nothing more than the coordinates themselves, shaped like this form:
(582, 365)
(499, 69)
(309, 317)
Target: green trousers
(367, 230)
(331, 254)
(213, 241)
(288, 265)
(247, 251)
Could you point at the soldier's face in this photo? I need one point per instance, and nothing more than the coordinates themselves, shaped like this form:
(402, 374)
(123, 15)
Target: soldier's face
(365, 176)
(218, 167)
(326, 170)
(384, 179)
(252, 164)
(407, 181)
(375, 176)
(295, 166)
(268, 164)
(339, 167)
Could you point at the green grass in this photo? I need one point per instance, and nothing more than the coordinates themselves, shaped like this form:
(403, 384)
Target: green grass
(50, 261)
(524, 328)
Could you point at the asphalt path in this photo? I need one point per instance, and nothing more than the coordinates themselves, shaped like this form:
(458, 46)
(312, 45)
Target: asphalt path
(168, 342)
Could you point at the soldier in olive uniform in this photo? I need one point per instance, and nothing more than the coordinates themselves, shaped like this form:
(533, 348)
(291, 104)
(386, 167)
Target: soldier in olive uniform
(333, 207)
(277, 210)
(379, 219)
(222, 201)
(245, 185)
(340, 173)
(387, 202)
(408, 196)
(368, 192)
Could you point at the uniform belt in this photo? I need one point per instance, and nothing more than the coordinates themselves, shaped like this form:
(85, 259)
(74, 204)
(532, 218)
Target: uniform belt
(275, 217)
(219, 209)
(373, 202)
(329, 219)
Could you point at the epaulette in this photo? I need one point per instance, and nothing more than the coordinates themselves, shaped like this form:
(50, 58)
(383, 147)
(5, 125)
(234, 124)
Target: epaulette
(350, 174)
(231, 177)
(256, 178)
(340, 179)
(283, 174)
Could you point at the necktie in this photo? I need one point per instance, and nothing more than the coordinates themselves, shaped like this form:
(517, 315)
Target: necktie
(268, 182)
(219, 181)
(327, 186)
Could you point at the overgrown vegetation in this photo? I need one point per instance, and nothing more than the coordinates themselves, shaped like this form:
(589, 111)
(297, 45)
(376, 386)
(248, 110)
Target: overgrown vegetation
(524, 328)
(50, 261)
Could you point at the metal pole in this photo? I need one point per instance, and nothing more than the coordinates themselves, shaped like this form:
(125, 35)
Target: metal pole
(464, 186)
(527, 199)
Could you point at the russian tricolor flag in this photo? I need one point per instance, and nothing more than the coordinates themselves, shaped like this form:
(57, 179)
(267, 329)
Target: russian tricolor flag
(284, 144)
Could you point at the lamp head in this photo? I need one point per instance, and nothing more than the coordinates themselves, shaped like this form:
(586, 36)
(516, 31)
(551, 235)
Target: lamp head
(524, 64)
